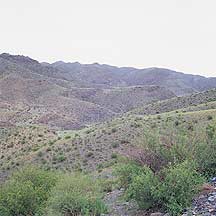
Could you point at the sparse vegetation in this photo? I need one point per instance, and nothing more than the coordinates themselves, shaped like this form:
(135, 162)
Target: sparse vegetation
(76, 195)
(170, 141)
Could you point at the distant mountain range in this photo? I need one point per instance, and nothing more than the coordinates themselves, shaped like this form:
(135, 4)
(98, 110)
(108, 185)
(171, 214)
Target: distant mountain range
(106, 76)
(72, 95)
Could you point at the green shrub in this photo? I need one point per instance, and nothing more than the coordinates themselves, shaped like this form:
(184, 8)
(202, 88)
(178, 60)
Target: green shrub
(26, 192)
(205, 153)
(60, 157)
(75, 195)
(67, 137)
(115, 145)
(107, 185)
(142, 189)
(176, 123)
(209, 117)
(114, 155)
(171, 190)
(181, 183)
(211, 132)
(126, 173)
(17, 198)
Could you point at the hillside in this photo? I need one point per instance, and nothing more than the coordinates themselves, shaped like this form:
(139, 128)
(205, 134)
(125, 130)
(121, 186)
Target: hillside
(122, 99)
(93, 147)
(34, 93)
(178, 103)
(108, 76)
(42, 124)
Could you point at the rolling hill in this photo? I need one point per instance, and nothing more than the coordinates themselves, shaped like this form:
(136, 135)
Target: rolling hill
(94, 118)
(34, 93)
(108, 76)
(74, 95)
(95, 147)
(176, 103)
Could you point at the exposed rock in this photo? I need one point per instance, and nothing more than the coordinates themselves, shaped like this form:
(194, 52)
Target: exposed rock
(205, 204)
(156, 214)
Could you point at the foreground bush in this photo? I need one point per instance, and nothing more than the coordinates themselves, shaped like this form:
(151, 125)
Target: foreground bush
(181, 183)
(26, 192)
(176, 147)
(127, 172)
(75, 195)
(172, 189)
(205, 153)
(142, 189)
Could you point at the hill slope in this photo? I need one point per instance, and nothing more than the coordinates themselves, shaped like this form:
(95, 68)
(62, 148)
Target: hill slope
(72, 95)
(34, 93)
(108, 76)
(94, 147)
(177, 103)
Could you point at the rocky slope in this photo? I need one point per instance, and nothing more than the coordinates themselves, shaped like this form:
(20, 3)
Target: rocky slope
(191, 102)
(34, 93)
(73, 95)
(107, 76)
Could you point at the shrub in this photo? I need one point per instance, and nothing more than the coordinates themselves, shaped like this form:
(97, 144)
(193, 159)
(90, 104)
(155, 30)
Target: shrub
(205, 152)
(60, 157)
(17, 198)
(209, 117)
(75, 195)
(40, 154)
(181, 183)
(107, 184)
(126, 173)
(26, 192)
(89, 154)
(176, 123)
(115, 145)
(211, 131)
(114, 155)
(142, 189)
(67, 137)
(199, 146)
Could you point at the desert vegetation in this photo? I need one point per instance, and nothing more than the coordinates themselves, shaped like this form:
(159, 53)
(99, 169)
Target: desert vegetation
(169, 176)
(126, 143)
(35, 191)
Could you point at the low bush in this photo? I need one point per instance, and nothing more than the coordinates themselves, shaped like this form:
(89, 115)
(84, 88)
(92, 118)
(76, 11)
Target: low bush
(114, 156)
(142, 189)
(198, 146)
(181, 183)
(26, 192)
(126, 173)
(67, 137)
(171, 190)
(75, 195)
(209, 117)
(115, 145)
(205, 153)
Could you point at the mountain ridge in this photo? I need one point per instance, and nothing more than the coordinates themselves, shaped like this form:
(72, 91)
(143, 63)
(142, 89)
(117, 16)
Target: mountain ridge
(74, 95)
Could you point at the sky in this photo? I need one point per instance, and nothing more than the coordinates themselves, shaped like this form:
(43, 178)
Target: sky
(175, 34)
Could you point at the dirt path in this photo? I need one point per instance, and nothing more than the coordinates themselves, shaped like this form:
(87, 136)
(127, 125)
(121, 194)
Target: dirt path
(118, 207)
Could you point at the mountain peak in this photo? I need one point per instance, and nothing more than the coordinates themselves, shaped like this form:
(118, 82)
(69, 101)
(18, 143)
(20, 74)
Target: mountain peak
(18, 58)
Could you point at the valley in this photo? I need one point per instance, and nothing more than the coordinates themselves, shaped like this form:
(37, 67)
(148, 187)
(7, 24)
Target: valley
(93, 119)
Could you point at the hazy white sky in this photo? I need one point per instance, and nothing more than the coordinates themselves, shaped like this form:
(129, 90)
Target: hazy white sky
(176, 34)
